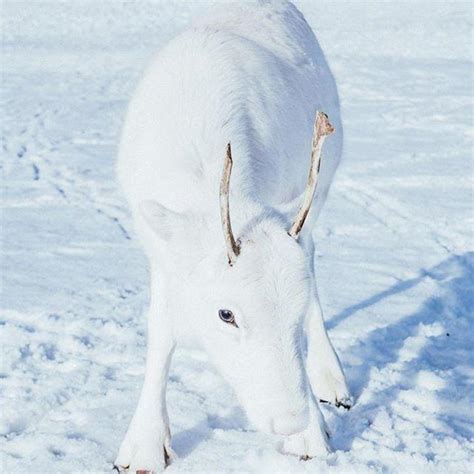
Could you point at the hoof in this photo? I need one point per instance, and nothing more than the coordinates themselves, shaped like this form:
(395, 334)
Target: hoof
(346, 402)
(140, 456)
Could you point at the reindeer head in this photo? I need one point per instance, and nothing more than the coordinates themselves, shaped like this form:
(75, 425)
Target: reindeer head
(250, 303)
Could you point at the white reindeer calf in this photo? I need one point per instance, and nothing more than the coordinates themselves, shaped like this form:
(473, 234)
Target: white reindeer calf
(253, 75)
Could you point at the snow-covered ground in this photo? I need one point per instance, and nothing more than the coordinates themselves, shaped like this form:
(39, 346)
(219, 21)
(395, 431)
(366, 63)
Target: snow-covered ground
(395, 259)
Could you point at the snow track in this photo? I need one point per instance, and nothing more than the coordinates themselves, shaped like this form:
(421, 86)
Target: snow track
(395, 259)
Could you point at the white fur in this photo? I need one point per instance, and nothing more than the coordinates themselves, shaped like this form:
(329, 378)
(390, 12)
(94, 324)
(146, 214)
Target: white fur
(254, 75)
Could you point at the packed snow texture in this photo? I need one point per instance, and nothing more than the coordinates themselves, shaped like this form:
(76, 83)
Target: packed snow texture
(394, 261)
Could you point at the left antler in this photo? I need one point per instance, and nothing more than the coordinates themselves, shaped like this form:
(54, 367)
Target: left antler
(322, 129)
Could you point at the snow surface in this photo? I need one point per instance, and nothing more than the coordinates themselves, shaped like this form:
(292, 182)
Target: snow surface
(395, 259)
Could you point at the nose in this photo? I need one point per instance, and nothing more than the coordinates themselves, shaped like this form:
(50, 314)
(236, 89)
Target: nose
(290, 423)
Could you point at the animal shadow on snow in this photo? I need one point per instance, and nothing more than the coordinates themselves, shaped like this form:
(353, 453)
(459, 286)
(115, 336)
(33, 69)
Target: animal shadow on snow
(444, 325)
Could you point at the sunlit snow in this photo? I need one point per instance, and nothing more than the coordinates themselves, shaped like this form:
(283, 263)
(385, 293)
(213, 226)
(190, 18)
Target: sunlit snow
(395, 260)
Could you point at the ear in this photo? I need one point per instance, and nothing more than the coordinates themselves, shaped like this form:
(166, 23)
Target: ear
(163, 221)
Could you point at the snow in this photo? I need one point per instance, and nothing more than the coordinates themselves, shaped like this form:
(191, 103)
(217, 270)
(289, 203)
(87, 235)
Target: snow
(395, 260)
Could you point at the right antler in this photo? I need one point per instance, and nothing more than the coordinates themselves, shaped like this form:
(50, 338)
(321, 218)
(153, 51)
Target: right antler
(233, 249)
(322, 129)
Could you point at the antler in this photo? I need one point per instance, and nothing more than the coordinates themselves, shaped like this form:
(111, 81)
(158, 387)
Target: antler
(233, 249)
(322, 129)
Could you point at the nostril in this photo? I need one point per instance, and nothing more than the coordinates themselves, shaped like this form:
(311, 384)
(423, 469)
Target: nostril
(290, 423)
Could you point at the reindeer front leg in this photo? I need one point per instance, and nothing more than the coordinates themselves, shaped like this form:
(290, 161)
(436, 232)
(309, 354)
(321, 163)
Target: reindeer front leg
(314, 440)
(323, 367)
(146, 446)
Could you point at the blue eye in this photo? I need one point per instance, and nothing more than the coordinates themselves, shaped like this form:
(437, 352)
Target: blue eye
(227, 316)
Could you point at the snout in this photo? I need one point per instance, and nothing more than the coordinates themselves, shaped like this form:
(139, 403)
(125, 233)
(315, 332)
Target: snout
(290, 423)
